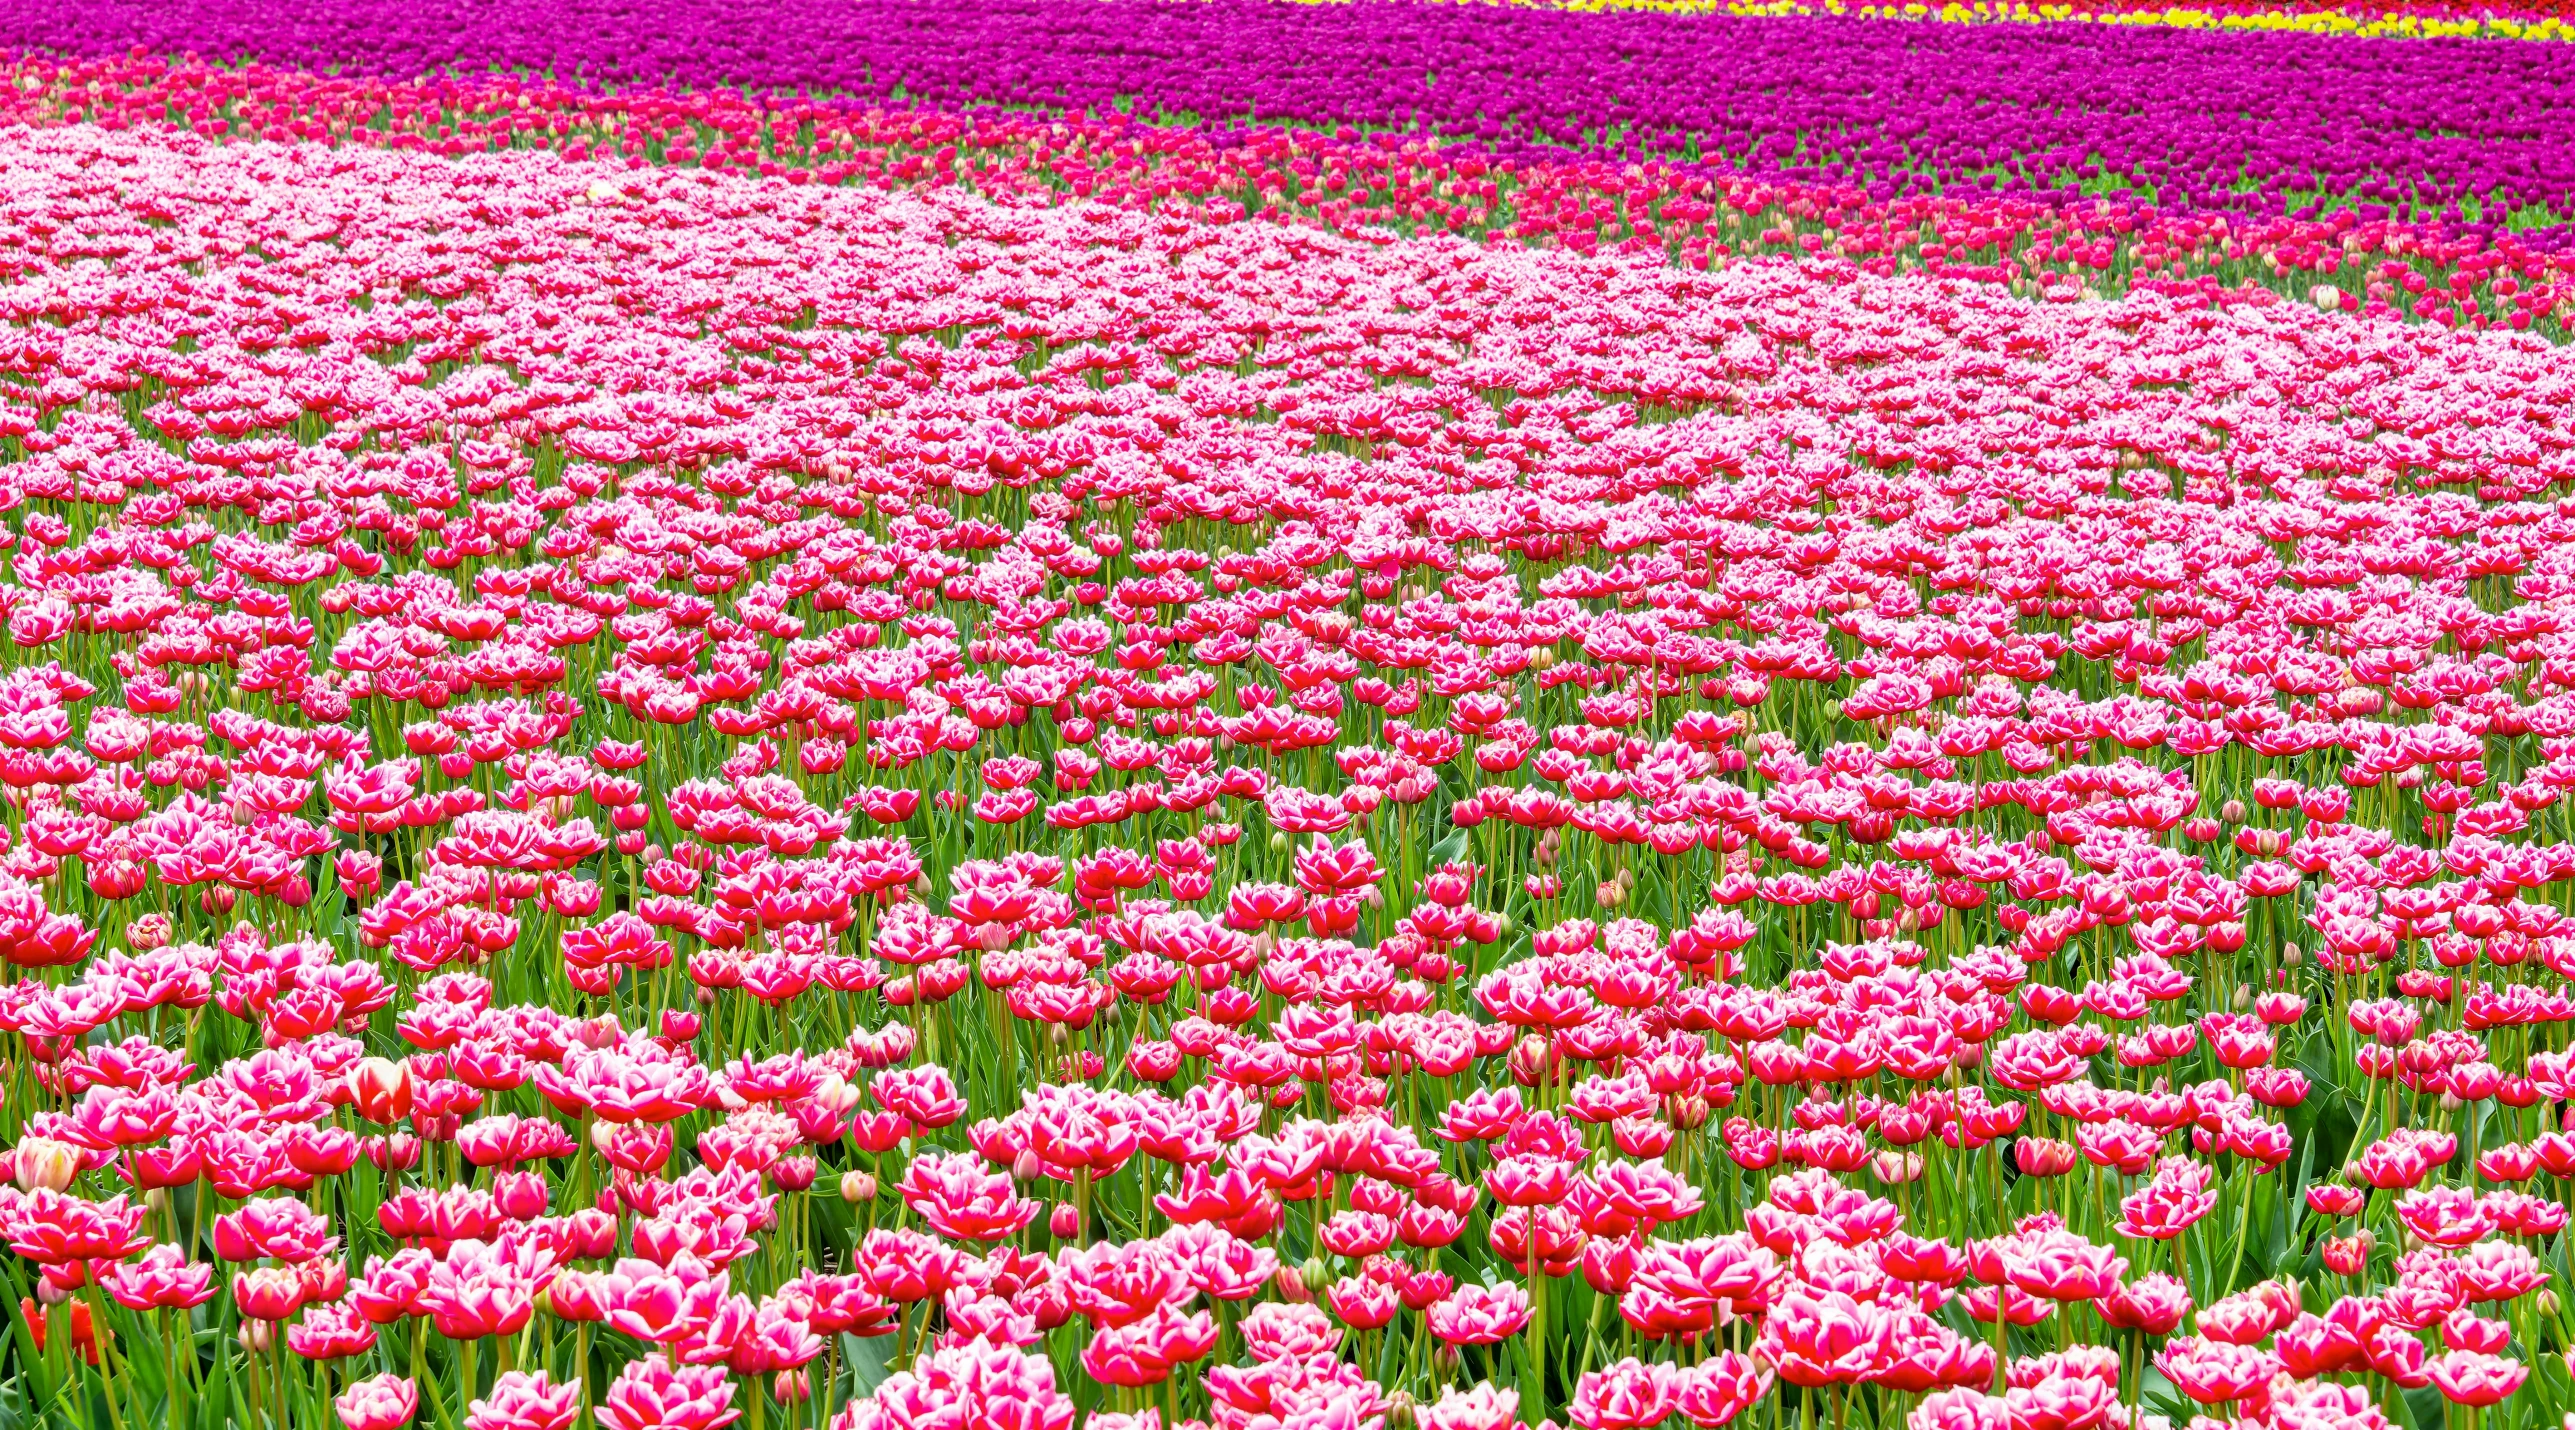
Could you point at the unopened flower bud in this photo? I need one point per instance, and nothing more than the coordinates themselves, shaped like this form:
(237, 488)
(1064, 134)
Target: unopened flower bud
(45, 1164)
(381, 1089)
(857, 1187)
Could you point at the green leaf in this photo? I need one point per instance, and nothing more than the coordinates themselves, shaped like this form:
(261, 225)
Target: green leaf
(870, 1361)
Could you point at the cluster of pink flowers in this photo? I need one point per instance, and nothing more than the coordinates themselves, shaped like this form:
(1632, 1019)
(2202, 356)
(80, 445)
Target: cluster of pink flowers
(1371, 186)
(652, 797)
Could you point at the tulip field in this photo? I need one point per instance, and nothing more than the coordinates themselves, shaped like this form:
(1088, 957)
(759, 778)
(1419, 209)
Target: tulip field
(1240, 715)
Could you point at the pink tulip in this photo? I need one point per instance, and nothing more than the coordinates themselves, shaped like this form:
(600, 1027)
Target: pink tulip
(380, 1402)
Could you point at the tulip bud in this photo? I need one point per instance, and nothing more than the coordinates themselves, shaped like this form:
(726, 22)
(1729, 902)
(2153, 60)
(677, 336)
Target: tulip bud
(1533, 1060)
(397, 1153)
(795, 1174)
(1291, 1286)
(1025, 1167)
(1399, 1411)
(2043, 1156)
(1065, 1222)
(49, 1293)
(593, 1233)
(2291, 956)
(521, 1196)
(857, 1187)
(257, 1336)
(45, 1164)
(679, 1025)
(381, 1089)
(790, 1387)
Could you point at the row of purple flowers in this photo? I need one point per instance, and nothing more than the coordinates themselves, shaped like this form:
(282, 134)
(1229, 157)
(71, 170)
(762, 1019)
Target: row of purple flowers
(2248, 123)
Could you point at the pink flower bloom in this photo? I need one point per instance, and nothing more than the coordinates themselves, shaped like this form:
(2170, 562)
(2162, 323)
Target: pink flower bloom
(972, 1384)
(1479, 1315)
(380, 1402)
(523, 1400)
(2477, 1378)
(1628, 1395)
(652, 1394)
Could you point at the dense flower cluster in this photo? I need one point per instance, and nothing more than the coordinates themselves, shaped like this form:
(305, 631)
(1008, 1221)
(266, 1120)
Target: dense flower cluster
(1240, 716)
(2367, 19)
(678, 797)
(2256, 124)
(1380, 185)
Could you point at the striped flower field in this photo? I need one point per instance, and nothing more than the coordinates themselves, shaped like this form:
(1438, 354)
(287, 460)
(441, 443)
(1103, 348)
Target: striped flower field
(1241, 715)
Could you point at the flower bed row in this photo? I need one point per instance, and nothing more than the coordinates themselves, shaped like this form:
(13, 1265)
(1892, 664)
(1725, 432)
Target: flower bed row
(2250, 124)
(1347, 182)
(2541, 20)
